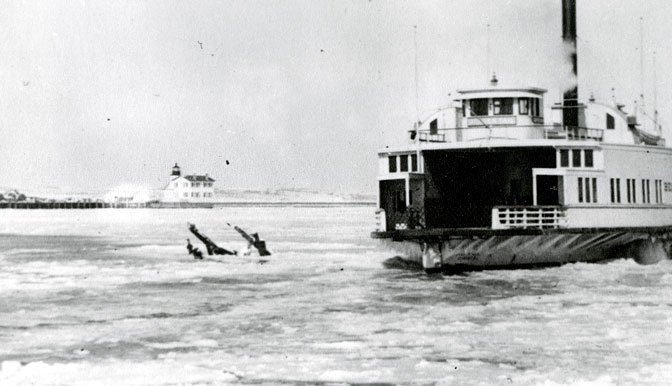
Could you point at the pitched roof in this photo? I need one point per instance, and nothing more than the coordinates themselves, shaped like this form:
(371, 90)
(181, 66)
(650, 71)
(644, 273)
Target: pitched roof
(195, 178)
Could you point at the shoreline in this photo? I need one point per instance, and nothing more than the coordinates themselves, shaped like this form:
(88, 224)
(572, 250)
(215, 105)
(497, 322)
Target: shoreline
(185, 205)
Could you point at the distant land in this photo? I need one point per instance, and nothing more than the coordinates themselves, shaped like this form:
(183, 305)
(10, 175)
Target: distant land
(225, 196)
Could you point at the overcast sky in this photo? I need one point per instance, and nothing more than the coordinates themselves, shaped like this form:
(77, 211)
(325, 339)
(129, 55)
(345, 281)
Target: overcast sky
(95, 94)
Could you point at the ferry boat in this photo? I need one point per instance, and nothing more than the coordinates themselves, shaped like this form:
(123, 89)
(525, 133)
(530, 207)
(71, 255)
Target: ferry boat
(490, 182)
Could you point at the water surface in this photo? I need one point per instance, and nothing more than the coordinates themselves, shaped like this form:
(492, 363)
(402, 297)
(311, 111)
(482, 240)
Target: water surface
(100, 297)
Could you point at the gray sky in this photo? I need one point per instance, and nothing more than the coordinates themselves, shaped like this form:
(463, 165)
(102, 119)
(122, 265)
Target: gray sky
(95, 94)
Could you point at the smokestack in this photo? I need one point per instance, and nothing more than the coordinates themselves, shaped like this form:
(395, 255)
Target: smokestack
(570, 114)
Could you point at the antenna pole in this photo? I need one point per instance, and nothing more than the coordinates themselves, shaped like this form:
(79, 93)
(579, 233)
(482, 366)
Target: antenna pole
(415, 45)
(641, 58)
(487, 52)
(417, 110)
(655, 92)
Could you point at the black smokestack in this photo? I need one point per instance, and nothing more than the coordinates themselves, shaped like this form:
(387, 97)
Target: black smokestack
(570, 114)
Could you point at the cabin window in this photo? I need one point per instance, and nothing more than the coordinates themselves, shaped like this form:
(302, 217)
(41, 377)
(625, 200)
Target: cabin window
(414, 162)
(479, 107)
(594, 189)
(611, 186)
(502, 106)
(564, 158)
(524, 106)
(632, 196)
(588, 158)
(628, 189)
(615, 184)
(403, 163)
(618, 190)
(648, 192)
(186, 195)
(434, 127)
(590, 185)
(580, 189)
(464, 108)
(611, 124)
(393, 163)
(576, 158)
(534, 106)
(587, 189)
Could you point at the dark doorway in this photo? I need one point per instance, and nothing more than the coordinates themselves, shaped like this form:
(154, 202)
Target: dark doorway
(393, 200)
(462, 186)
(548, 190)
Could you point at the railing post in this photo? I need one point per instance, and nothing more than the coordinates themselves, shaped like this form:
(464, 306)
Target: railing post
(496, 224)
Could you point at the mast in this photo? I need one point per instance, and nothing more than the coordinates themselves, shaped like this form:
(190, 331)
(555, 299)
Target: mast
(655, 93)
(641, 59)
(570, 113)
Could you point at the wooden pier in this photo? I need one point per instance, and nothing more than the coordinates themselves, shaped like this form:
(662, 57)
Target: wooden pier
(67, 205)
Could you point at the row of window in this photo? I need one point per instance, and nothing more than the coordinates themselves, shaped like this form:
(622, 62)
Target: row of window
(195, 184)
(587, 189)
(576, 158)
(405, 161)
(631, 191)
(503, 106)
(196, 195)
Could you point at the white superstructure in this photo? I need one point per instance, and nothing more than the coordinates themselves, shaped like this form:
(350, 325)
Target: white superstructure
(490, 182)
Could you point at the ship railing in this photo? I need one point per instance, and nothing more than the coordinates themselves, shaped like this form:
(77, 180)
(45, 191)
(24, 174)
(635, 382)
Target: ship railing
(412, 218)
(526, 217)
(463, 134)
(427, 136)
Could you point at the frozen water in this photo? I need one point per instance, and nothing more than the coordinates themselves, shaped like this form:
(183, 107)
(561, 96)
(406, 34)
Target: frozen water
(99, 297)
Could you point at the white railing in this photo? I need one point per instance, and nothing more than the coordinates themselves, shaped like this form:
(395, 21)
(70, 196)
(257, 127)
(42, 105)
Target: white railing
(381, 221)
(511, 131)
(524, 217)
(432, 137)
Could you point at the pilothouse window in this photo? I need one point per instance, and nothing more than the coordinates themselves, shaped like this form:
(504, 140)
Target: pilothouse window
(479, 107)
(523, 106)
(403, 163)
(576, 158)
(564, 158)
(588, 158)
(502, 106)
(610, 122)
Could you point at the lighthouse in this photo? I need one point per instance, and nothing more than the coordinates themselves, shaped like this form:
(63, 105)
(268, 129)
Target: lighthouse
(176, 172)
(188, 189)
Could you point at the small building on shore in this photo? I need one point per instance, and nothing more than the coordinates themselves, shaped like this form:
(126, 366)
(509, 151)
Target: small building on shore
(192, 188)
